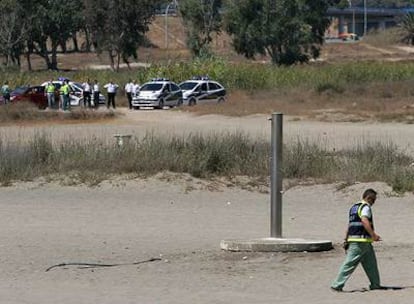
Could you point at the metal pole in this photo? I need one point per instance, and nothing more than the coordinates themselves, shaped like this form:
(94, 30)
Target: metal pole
(353, 21)
(276, 177)
(365, 17)
(166, 25)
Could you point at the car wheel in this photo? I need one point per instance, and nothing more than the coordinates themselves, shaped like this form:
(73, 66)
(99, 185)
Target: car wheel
(221, 99)
(136, 108)
(179, 102)
(161, 104)
(192, 102)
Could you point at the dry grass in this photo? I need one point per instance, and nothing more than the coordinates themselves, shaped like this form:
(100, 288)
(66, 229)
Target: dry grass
(375, 102)
(26, 112)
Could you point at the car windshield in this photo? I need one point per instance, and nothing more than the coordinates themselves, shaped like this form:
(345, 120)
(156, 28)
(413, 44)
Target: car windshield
(77, 85)
(151, 87)
(19, 90)
(186, 86)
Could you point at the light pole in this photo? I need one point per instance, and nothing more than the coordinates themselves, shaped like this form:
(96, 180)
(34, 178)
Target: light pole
(174, 2)
(365, 17)
(353, 16)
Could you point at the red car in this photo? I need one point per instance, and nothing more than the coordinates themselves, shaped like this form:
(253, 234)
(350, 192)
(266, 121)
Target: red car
(34, 94)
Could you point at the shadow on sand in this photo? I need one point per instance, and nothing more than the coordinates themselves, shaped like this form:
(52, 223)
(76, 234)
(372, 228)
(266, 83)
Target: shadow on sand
(383, 288)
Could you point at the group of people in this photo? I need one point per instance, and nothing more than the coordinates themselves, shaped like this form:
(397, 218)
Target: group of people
(91, 92)
(64, 93)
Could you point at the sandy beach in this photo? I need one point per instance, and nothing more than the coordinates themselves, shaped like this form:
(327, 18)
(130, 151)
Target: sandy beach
(179, 221)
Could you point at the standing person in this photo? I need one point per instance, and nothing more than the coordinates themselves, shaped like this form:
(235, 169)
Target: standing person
(358, 242)
(65, 93)
(96, 92)
(135, 88)
(129, 87)
(111, 91)
(5, 91)
(86, 93)
(50, 94)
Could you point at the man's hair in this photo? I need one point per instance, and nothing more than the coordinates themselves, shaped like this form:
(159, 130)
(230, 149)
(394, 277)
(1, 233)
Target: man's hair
(369, 193)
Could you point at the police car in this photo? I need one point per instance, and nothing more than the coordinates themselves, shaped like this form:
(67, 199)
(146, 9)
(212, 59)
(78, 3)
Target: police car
(200, 89)
(76, 95)
(157, 93)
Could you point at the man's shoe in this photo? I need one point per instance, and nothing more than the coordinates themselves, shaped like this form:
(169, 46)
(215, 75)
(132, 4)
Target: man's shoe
(336, 289)
(379, 288)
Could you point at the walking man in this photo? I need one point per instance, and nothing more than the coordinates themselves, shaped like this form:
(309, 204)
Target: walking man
(96, 93)
(129, 88)
(50, 94)
(111, 91)
(86, 93)
(358, 242)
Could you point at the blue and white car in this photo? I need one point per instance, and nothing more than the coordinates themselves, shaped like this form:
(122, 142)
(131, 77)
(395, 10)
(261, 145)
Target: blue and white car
(202, 90)
(158, 93)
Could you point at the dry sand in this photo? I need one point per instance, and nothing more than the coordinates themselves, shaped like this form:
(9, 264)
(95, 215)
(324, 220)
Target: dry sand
(182, 221)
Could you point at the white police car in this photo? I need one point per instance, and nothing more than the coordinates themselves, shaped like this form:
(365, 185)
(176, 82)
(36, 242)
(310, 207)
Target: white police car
(202, 90)
(157, 93)
(76, 94)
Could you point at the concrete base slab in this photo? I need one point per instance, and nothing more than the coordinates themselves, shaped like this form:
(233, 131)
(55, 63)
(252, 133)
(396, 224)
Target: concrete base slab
(276, 245)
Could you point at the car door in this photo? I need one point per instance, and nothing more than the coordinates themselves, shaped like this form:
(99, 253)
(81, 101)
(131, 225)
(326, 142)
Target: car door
(176, 93)
(37, 96)
(215, 91)
(203, 93)
(166, 94)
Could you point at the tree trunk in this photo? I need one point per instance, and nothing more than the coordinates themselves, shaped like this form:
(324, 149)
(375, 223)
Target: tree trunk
(29, 51)
(118, 59)
(53, 64)
(87, 40)
(111, 59)
(75, 43)
(29, 62)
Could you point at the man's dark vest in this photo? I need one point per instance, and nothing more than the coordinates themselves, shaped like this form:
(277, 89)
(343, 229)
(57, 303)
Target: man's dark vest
(356, 231)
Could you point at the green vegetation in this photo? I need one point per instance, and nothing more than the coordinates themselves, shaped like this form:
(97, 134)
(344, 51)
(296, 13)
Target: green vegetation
(201, 20)
(289, 31)
(245, 76)
(407, 27)
(92, 160)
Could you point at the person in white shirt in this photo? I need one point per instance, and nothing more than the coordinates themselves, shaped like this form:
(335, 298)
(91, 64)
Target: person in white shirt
(135, 88)
(96, 92)
(86, 93)
(111, 89)
(128, 91)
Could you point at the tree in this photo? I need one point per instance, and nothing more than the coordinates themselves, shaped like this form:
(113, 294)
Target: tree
(122, 31)
(289, 31)
(407, 26)
(54, 22)
(201, 19)
(13, 31)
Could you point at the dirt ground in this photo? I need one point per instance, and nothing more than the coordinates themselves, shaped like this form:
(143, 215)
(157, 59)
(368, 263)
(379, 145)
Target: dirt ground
(181, 221)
